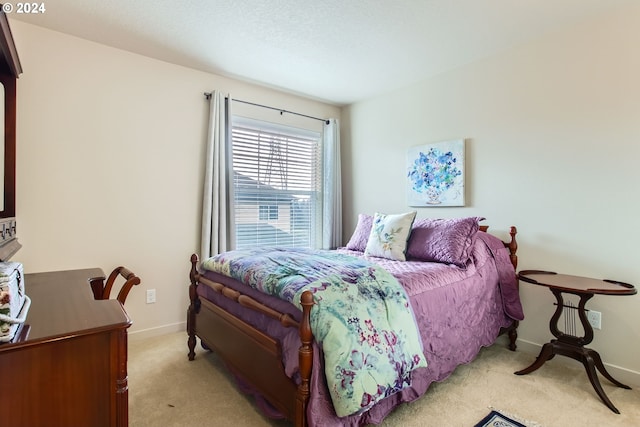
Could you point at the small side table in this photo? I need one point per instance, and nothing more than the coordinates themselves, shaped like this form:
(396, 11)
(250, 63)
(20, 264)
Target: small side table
(570, 345)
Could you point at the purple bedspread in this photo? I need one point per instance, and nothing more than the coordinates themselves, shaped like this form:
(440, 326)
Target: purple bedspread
(458, 311)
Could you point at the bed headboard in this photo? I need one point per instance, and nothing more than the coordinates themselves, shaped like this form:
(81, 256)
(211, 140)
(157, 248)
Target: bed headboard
(512, 244)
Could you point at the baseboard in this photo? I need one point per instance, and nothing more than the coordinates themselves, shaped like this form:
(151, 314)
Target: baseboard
(157, 331)
(624, 375)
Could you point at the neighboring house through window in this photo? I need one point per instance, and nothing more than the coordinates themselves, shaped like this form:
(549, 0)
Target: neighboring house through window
(268, 212)
(277, 184)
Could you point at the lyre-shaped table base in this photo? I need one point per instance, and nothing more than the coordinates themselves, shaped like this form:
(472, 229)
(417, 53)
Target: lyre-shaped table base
(574, 347)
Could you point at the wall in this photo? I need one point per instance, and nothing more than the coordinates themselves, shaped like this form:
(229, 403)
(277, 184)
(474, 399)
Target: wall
(552, 133)
(110, 150)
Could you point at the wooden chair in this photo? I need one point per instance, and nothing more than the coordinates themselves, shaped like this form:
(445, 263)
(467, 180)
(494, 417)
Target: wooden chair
(102, 290)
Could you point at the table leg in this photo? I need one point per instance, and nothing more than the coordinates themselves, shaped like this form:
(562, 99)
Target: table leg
(546, 353)
(590, 366)
(605, 373)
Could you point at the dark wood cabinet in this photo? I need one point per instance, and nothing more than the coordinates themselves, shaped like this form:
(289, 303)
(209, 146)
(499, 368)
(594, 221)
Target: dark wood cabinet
(68, 364)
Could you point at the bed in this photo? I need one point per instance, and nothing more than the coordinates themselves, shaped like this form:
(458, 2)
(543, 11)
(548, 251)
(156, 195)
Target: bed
(461, 300)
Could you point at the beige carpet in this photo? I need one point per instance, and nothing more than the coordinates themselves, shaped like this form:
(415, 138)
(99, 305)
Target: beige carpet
(165, 389)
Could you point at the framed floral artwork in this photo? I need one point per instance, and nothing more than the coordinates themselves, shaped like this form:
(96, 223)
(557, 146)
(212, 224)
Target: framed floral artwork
(435, 174)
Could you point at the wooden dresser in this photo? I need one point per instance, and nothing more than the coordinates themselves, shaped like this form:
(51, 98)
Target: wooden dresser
(68, 365)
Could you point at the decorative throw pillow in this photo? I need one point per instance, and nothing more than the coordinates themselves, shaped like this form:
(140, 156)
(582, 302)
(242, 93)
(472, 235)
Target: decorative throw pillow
(389, 235)
(443, 240)
(358, 241)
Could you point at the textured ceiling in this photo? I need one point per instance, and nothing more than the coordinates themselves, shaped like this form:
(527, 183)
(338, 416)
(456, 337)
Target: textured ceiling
(338, 51)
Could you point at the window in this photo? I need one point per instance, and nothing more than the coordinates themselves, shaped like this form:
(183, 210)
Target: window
(268, 212)
(277, 178)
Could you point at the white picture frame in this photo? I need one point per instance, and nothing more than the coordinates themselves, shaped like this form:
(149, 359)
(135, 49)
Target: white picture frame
(435, 174)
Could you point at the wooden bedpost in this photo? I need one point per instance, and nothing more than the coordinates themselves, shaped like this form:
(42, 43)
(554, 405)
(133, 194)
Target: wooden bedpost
(194, 307)
(305, 357)
(513, 247)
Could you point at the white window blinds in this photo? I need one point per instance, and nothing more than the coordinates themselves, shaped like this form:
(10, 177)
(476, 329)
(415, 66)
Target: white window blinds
(277, 178)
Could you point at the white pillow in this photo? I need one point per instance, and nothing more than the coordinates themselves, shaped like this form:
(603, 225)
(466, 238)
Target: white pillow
(389, 235)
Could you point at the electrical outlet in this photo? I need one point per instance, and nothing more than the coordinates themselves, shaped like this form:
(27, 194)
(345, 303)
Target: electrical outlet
(595, 319)
(151, 296)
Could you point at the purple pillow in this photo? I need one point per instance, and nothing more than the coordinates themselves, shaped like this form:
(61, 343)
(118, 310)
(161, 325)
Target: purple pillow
(443, 240)
(358, 241)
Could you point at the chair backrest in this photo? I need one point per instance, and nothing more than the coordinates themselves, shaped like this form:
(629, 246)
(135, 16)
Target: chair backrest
(130, 280)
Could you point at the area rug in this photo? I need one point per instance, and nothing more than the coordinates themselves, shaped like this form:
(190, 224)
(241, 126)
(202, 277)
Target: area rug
(496, 419)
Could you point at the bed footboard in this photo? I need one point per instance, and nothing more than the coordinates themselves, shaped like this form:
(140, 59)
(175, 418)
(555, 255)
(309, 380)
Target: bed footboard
(249, 353)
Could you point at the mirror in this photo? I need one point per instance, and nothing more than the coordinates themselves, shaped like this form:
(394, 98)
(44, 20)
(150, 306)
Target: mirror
(2, 151)
(10, 69)
(8, 156)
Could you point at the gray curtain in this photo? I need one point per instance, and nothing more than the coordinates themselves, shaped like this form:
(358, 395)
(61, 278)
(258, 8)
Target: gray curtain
(332, 198)
(217, 204)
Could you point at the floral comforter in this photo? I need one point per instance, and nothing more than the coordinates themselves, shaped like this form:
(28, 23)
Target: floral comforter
(362, 318)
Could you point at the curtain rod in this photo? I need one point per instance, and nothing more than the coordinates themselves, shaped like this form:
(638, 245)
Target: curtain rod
(208, 96)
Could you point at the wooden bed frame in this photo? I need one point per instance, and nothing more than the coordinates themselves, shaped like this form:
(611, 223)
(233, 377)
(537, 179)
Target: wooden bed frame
(256, 357)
